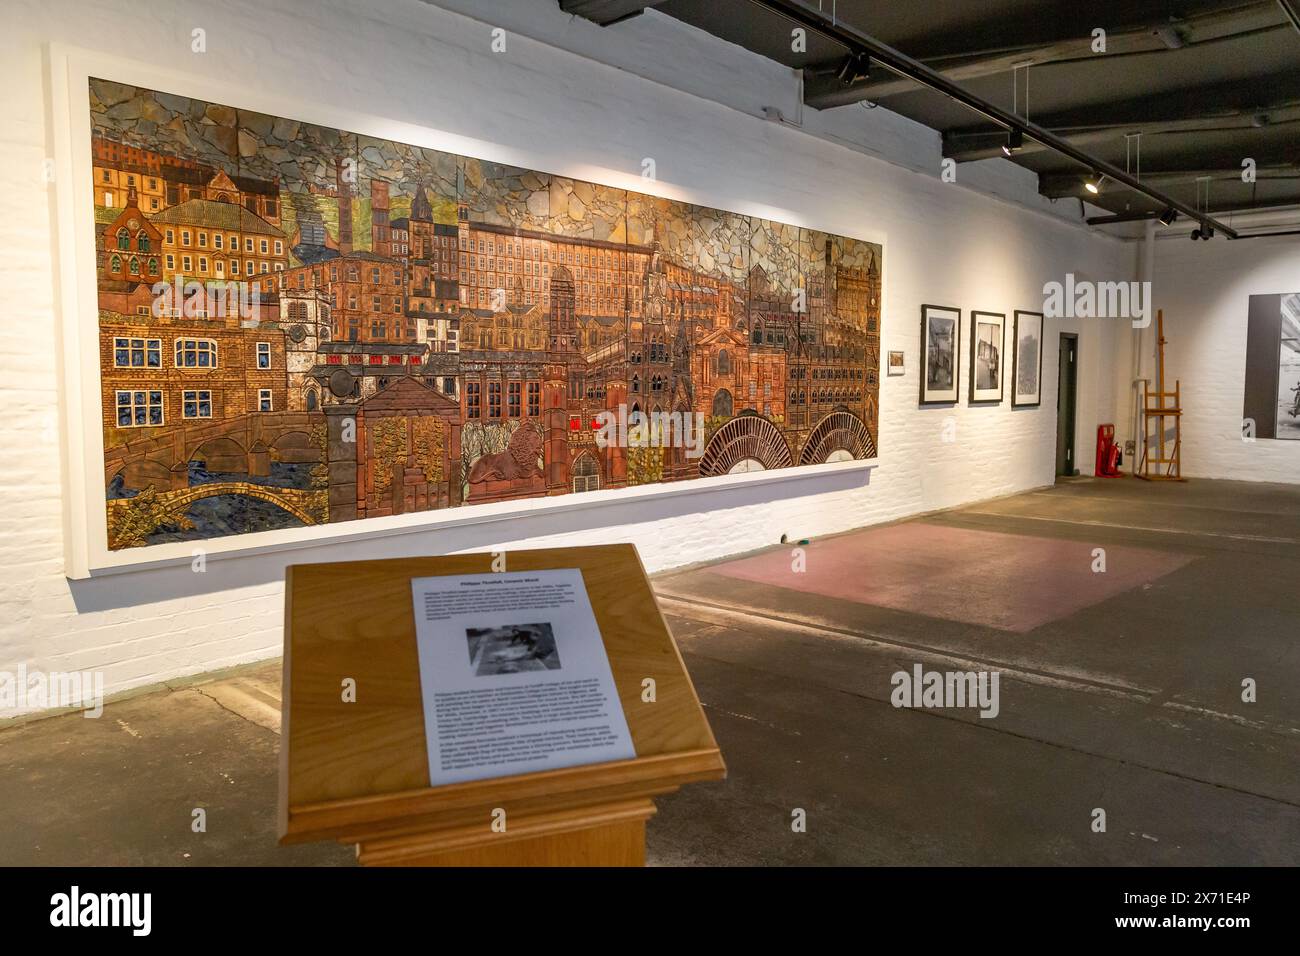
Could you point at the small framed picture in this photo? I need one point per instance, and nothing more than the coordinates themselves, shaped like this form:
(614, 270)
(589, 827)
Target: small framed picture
(895, 364)
(987, 345)
(1027, 360)
(940, 346)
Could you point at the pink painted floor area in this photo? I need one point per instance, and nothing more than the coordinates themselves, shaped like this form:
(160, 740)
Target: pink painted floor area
(1006, 581)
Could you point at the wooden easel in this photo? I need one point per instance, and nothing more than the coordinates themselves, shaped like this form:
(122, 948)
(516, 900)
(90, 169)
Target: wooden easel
(1165, 467)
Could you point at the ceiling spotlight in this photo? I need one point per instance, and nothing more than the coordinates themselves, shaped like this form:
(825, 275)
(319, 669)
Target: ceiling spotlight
(1093, 183)
(1168, 216)
(1015, 139)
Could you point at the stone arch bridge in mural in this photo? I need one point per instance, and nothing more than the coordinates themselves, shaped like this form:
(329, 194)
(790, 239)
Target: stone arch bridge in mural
(157, 467)
(245, 444)
(750, 442)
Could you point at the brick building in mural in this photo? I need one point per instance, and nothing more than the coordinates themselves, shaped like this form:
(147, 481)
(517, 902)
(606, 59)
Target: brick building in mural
(218, 240)
(133, 246)
(161, 373)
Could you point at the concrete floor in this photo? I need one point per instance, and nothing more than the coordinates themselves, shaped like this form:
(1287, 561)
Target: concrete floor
(1119, 690)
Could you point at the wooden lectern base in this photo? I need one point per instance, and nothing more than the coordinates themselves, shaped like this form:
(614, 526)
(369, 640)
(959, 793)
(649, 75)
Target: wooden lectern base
(356, 769)
(561, 839)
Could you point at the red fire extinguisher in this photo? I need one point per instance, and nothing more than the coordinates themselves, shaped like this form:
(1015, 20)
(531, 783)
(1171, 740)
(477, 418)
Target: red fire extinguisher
(1108, 453)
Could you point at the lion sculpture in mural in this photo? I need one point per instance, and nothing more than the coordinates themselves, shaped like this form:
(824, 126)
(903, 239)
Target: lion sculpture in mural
(519, 460)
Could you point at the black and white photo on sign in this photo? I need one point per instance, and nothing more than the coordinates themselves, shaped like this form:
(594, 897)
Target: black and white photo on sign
(987, 340)
(511, 649)
(940, 344)
(1027, 374)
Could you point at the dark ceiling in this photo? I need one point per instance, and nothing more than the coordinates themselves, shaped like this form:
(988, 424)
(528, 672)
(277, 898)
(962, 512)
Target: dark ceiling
(1207, 83)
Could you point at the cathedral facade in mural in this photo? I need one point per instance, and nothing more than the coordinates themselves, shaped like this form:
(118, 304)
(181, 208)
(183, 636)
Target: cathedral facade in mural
(302, 325)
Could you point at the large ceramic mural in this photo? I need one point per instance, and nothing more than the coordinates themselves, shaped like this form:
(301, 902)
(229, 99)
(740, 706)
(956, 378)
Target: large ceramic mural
(302, 325)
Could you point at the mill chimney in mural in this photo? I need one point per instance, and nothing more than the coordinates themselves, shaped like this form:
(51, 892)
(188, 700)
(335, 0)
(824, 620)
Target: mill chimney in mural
(345, 209)
(380, 238)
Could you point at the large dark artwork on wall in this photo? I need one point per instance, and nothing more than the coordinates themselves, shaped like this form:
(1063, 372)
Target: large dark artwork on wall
(302, 325)
(1272, 391)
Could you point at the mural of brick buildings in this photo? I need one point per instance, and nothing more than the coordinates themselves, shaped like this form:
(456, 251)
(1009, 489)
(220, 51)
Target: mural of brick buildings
(300, 324)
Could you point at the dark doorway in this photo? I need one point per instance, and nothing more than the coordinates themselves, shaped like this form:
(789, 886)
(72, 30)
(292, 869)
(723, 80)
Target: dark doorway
(1066, 385)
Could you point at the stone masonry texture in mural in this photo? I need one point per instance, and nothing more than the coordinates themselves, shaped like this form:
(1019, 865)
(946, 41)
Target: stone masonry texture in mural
(300, 325)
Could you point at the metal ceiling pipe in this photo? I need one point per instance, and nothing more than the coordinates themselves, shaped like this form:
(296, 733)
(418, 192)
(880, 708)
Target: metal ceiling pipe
(801, 14)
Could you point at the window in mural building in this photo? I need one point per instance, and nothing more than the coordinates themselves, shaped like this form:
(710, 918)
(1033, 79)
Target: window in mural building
(197, 404)
(486, 307)
(586, 474)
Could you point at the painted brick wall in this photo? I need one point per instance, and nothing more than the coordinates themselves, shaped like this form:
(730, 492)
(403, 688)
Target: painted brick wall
(864, 173)
(1203, 288)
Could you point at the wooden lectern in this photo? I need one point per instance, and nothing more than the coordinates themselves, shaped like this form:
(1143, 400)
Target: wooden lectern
(359, 773)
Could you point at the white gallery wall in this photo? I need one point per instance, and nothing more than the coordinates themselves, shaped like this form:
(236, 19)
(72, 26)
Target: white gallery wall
(1204, 289)
(864, 173)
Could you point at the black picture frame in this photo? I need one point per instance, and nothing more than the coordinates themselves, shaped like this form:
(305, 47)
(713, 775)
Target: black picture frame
(1016, 360)
(973, 399)
(946, 396)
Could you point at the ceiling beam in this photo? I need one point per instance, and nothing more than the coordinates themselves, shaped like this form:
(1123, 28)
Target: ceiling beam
(951, 54)
(857, 42)
(607, 12)
(1067, 185)
(1219, 106)
(1144, 216)
(989, 145)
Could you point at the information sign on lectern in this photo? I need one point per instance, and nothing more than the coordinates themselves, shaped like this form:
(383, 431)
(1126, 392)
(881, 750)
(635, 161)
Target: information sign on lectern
(440, 711)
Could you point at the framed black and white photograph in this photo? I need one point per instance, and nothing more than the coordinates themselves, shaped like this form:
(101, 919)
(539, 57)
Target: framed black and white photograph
(1027, 360)
(1272, 392)
(940, 346)
(896, 364)
(987, 347)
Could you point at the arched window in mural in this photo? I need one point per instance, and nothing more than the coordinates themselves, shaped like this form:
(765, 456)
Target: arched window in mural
(142, 241)
(724, 362)
(311, 399)
(757, 336)
(123, 239)
(722, 403)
